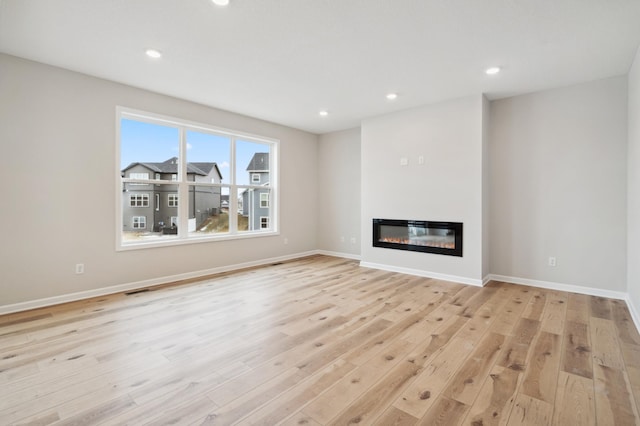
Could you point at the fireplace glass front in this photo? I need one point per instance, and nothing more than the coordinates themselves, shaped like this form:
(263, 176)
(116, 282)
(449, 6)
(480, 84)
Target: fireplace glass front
(418, 235)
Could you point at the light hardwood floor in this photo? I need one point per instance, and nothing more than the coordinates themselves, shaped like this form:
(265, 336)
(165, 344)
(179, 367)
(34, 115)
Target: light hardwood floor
(322, 341)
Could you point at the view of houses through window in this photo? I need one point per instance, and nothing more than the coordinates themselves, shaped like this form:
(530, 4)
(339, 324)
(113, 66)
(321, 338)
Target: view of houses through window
(182, 182)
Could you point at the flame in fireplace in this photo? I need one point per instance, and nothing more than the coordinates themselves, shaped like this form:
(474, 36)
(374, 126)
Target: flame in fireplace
(418, 242)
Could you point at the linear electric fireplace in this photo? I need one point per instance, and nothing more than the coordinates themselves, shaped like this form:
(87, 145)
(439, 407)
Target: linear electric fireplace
(418, 235)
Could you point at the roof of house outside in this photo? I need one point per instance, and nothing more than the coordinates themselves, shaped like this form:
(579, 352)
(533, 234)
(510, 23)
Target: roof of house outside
(171, 166)
(259, 162)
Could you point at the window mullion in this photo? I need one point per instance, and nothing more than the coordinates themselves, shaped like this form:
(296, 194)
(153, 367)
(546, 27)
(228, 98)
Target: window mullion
(183, 187)
(233, 191)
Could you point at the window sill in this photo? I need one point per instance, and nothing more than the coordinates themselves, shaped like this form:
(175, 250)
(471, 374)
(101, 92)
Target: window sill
(194, 240)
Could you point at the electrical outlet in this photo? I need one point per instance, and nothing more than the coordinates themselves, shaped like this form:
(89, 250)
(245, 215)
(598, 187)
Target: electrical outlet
(552, 261)
(79, 268)
(353, 240)
(421, 159)
(342, 239)
(286, 240)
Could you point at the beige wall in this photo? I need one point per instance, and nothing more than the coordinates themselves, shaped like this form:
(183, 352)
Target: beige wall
(58, 159)
(633, 189)
(447, 187)
(558, 185)
(339, 192)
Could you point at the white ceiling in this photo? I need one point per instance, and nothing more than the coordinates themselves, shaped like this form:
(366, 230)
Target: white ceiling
(284, 60)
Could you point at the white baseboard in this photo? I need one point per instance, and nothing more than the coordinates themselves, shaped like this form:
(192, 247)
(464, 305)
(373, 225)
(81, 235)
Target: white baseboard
(635, 315)
(338, 254)
(421, 273)
(560, 287)
(72, 297)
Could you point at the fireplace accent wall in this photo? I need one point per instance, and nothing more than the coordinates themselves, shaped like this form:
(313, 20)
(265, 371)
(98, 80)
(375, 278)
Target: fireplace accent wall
(418, 235)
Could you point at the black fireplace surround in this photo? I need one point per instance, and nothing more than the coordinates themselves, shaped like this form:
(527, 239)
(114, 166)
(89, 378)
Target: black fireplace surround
(418, 235)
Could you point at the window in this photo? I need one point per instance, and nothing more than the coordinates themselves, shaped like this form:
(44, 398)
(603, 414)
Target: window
(227, 182)
(264, 222)
(264, 200)
(144, 176)
(139, 200)
(139, 222)
(139, 176)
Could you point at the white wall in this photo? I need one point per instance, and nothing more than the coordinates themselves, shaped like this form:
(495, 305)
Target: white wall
(58, 133)
(633, 189)
(448, 187)
(558, 185)
(486, 189)
(339, 192)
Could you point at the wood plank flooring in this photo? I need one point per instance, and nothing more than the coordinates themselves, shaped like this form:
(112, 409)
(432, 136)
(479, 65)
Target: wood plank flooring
(321, 341)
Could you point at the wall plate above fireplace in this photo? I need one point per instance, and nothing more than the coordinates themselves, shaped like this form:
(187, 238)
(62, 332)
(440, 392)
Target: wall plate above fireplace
(418, 235)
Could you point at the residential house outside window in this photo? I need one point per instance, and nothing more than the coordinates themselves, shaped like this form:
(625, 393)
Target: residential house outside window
(255, 198)
(201, 165)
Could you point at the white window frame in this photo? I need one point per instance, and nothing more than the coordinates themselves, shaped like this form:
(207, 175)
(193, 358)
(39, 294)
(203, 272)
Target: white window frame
(254, 176)
(143, 198)
(172, 200)
(157, 202)
(233, 187)
(135, 220)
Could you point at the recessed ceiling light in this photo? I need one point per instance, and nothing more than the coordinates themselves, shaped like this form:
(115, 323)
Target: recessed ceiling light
(392, 96)
(220, 2)
(492, 70)
(324, 113)
(153, 53)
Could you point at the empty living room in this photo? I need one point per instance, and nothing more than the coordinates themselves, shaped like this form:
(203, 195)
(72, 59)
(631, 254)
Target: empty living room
(277, 212)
